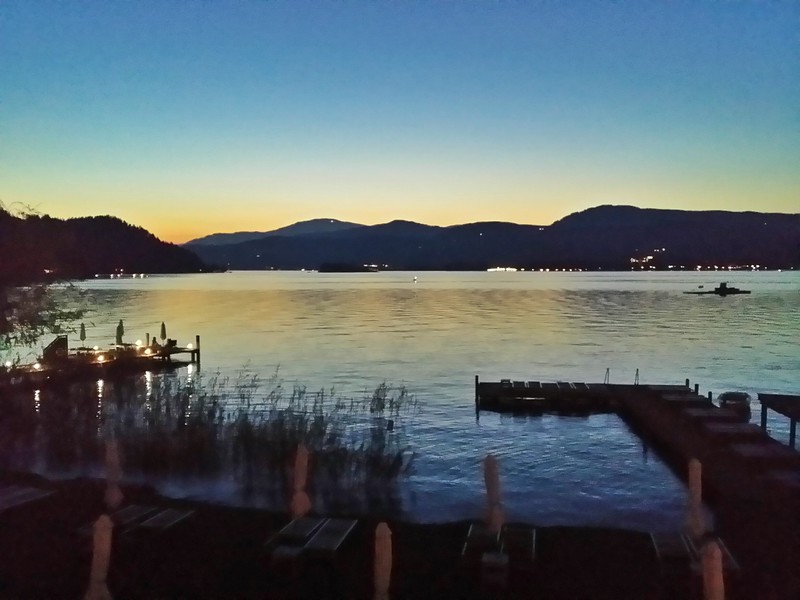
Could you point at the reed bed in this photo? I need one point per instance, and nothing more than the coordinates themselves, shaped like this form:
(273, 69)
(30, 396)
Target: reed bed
(242, 431)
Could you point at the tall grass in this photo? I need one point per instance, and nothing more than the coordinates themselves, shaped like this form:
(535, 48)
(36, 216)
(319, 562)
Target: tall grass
(243, 430)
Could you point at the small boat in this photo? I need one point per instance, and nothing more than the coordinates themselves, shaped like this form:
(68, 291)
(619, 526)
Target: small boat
(721, 290)
(738, 402)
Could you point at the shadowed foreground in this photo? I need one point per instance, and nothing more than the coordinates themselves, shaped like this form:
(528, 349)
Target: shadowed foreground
(219, 553)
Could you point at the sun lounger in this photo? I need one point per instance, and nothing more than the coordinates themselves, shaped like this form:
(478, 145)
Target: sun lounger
(13, 496)
(165, 519)
(330, 536)
(132, 513)
(478, 541)
(297, 532)
(287, 545)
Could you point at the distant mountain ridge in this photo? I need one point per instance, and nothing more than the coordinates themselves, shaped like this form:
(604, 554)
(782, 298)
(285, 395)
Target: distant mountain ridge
(301, 228)
(605, 237)
(38, 247)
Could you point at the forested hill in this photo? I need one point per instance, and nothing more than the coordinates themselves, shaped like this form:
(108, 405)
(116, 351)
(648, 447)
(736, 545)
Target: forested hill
(604, 237)
(35, 248)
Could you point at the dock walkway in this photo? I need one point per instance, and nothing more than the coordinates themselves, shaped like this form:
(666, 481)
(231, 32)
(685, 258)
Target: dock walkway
(751, 480)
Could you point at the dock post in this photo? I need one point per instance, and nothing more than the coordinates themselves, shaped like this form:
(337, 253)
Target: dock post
(197, 349)
(710, 396)
(792, 432)
(147, 339)
(696, 388)
(687, 382)
(477, 397)
(763, 416)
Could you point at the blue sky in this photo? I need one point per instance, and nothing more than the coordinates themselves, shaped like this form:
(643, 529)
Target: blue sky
(189, 118)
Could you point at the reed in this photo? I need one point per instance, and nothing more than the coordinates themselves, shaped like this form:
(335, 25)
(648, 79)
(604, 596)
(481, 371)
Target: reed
(244, 430)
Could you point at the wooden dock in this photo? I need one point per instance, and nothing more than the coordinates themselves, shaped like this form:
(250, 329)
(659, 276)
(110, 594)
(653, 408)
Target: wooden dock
(59, 364)
(751, 480)
(538, 397)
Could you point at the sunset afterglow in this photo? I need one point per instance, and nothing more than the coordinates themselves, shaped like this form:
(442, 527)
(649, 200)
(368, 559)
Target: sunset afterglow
(193, 118)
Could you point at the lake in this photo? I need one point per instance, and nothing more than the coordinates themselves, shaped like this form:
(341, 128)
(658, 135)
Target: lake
(432, 335)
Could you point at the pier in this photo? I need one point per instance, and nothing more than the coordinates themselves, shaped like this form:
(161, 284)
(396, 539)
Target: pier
(751, 480)
(60, 364)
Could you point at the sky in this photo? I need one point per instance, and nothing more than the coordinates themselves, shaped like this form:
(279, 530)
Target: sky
(194, 117)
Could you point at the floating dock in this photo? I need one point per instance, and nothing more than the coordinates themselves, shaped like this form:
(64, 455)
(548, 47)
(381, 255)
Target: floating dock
(751, 480)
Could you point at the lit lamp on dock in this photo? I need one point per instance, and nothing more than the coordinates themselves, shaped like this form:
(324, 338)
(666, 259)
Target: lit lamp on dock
(101, 358)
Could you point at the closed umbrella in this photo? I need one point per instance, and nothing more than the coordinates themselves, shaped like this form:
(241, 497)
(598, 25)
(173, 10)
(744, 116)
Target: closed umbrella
(113, 496)
(301, 503)
(383, 561)
(163, 331)
(120, 332)
(494, 517)
(82, 334)
(101, 556)
(695, 520)
(713, 580)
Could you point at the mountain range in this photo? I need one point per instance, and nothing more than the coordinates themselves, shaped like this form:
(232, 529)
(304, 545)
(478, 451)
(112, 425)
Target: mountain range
(37, 248)
(604, 237)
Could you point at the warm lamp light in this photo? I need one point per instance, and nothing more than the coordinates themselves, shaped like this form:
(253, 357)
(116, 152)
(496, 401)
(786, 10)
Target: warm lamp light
(189, 346)
(8, 364)
(138, 343)
(37, 366)
(95, 347)
(101, 358)
(147, 351)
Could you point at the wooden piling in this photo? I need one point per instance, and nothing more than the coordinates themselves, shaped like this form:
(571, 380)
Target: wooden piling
(477, 397)
(687, 382)
(792, 432)
(197, 349)
(696, 388)
(763, 416)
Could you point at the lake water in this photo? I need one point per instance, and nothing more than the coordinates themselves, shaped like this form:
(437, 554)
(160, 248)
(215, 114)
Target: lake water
(433, 335)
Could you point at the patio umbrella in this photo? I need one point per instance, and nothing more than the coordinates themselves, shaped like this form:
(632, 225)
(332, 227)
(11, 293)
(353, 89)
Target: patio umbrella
(695, 520)
(120, 332)
(494, 517)
(383, 561)
(301, 503)
(713, 581)
(82, 334)
(113, 495)
(98, 590)
(163, 331)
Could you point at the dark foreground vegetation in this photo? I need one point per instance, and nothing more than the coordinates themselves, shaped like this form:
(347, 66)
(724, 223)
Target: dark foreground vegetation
(244, 433)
